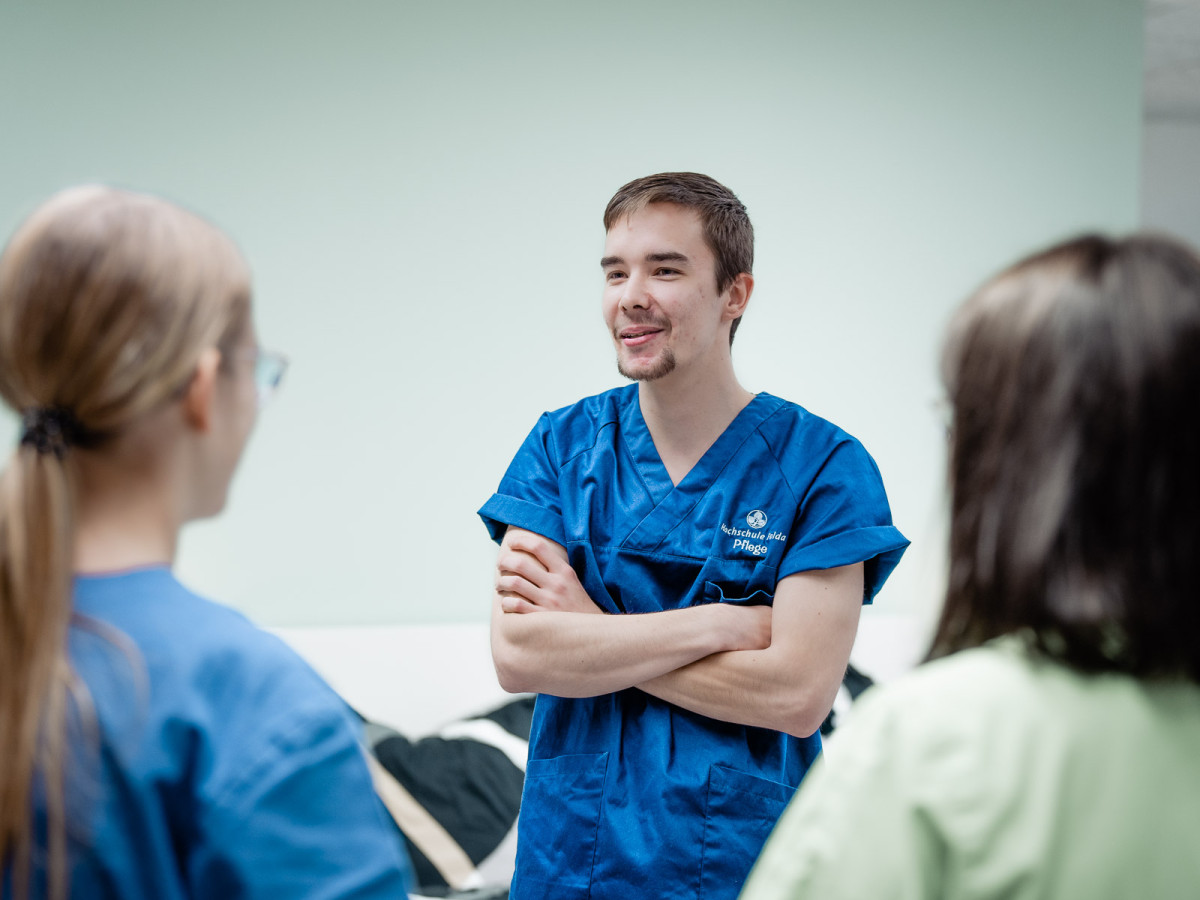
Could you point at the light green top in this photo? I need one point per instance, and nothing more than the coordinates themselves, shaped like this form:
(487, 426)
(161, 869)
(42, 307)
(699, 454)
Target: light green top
(988, 775)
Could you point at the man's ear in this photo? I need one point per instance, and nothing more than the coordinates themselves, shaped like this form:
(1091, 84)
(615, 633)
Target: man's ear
(199, 399)
(739, 295)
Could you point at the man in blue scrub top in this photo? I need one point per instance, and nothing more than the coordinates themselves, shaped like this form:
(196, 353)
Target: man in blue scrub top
(681, 572)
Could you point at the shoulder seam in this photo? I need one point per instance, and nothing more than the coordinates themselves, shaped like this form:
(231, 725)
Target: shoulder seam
(608, 420)
(775, 456)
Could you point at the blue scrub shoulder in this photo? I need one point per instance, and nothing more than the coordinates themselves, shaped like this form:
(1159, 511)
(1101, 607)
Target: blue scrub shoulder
(194, 659)
(217, 743)
(575, 428)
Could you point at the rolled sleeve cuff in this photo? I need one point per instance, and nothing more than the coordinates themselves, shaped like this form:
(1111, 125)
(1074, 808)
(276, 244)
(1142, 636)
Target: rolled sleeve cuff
(879, 547)
(502, 511)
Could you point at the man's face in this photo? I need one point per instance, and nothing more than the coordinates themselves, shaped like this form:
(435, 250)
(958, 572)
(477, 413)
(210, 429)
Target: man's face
(660, 292)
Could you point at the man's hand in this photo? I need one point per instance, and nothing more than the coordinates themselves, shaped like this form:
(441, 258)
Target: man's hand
(533, 575)
(749, 626)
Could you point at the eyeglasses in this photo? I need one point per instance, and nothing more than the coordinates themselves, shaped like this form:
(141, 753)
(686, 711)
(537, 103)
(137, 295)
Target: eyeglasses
(269, 369)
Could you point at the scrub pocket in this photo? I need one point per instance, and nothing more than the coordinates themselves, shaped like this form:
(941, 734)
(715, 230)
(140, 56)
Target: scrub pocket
(714, 593)
(740, 812)
(560, 812)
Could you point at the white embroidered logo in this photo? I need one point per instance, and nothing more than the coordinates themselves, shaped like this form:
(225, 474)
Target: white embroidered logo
(753, 540)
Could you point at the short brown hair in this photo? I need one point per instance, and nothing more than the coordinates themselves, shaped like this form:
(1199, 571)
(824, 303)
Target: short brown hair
(727, 228)
(1075, 488)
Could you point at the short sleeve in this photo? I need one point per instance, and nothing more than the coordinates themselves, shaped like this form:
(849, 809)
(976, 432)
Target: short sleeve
(528, 496)
(302, 818)
(844, 518)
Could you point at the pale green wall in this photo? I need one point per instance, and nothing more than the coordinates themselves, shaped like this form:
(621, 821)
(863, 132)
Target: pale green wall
(419, 190)
(1171, 177)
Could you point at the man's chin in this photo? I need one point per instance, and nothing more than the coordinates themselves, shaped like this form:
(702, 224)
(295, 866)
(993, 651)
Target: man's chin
(649, 370)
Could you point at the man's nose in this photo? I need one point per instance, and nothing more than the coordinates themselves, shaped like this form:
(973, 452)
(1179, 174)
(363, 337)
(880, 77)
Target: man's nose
(635, 295)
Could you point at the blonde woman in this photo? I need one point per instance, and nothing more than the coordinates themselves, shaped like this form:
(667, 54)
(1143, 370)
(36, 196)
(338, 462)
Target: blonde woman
(154, 744)
(1051, 749)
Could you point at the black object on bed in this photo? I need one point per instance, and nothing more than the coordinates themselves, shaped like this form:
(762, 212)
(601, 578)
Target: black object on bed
(458, 798)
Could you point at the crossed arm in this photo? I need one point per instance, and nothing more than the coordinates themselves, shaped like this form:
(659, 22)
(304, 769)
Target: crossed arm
(774, 667)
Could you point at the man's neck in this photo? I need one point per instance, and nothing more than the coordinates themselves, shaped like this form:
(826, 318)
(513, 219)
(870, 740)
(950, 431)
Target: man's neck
(686, 413)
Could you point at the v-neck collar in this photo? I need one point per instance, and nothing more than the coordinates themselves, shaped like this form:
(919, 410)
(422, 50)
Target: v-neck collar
(673, 501)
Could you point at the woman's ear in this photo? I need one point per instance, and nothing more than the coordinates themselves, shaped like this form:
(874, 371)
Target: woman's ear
(199, 399)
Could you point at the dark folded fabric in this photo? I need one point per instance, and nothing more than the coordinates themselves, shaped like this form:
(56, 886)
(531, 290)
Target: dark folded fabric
(469, 786)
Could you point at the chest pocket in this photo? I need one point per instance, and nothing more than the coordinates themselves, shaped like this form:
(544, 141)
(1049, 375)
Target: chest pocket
(740, 594)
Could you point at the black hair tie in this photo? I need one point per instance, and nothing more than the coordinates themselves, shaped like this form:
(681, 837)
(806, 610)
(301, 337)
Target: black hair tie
(52, 429)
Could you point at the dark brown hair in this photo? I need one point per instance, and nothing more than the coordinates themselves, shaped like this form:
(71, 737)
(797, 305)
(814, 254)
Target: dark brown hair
(727, 229)
(1074, 380)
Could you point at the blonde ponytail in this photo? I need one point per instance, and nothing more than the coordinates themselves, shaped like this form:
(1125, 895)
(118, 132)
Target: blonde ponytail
(36, 540)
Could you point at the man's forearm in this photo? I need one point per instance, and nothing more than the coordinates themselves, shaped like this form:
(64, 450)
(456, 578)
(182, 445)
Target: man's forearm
(748, 687)
(791, 685)
(571, 654)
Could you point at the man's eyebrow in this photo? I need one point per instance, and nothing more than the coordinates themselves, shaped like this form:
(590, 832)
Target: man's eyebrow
(661, 256)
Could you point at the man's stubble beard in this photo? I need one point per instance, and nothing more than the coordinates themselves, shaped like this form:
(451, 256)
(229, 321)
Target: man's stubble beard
(664, 366)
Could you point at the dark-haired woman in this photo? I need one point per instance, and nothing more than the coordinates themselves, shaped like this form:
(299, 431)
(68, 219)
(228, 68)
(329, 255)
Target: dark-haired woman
(153, 744)
(1051, 748)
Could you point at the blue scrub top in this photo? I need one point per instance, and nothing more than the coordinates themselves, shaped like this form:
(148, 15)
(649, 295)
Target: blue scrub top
(627, 796)
(224, 767)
